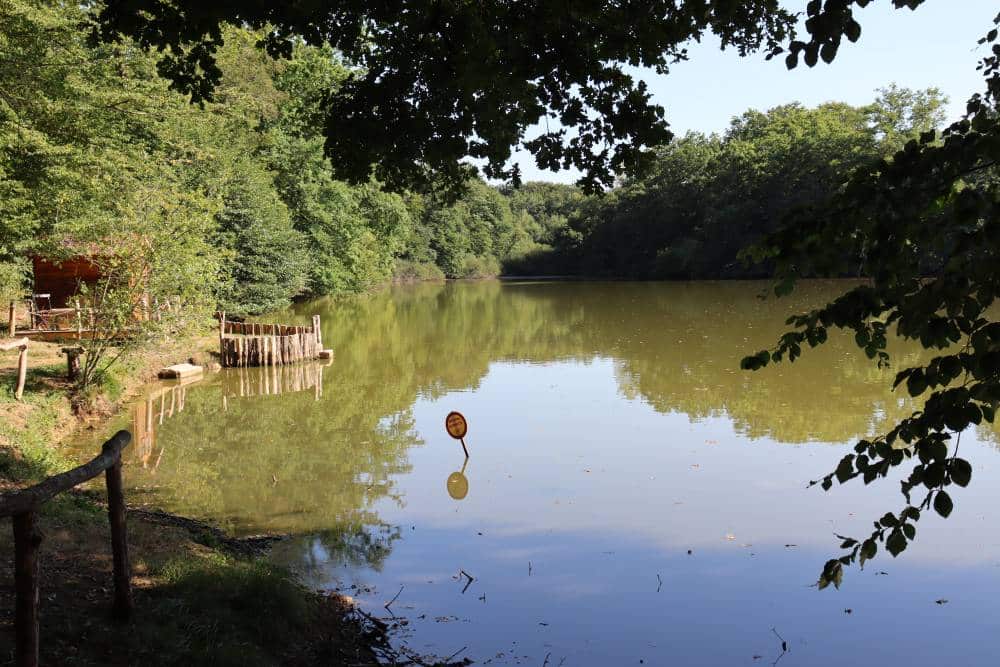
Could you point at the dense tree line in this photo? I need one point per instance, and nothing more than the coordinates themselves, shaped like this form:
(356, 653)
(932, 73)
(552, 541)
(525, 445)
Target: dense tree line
(708, 197)
(231, 203)
(238, 206)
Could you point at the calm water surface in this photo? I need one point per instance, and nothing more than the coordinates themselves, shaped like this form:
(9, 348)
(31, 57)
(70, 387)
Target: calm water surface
(631, 495)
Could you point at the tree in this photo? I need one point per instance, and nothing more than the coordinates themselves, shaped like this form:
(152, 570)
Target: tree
(926, 224)
(438, 83)
(901, 114)
(266, 255)
(708, 197)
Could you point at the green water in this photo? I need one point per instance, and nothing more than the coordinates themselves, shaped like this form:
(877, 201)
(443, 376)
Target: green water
(611, 432)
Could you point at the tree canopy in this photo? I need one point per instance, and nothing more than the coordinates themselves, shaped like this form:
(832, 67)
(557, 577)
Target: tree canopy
(430, 84)
(706, 197)
(434, 83)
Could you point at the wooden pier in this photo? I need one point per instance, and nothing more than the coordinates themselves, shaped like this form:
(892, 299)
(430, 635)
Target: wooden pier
(244, 344)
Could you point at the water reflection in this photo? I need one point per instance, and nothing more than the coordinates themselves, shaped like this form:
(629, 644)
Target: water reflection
(615, 432)
(458, 483)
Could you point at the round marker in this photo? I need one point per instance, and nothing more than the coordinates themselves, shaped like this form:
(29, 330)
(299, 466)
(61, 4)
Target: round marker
(457, 427)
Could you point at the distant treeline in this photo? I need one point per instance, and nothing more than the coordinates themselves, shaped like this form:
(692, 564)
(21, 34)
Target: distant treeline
(711, 196)
(233, 204)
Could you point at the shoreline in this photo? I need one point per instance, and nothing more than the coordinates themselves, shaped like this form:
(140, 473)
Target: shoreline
(177, 561)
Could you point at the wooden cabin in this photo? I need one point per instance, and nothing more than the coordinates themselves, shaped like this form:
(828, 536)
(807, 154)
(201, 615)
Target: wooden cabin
(61, 279)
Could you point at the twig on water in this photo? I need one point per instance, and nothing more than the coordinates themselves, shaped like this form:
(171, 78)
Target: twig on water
(529, 568)
(468, 576)
(448, 659)
(784, 647)
(546, 659)
(659, 582)
(389, 603)
(374, 621)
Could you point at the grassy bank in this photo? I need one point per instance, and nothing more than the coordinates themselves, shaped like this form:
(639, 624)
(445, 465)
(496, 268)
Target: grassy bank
(197, 601)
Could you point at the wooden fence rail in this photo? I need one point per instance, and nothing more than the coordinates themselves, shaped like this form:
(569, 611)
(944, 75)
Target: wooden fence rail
(22, 506)
(243, 344)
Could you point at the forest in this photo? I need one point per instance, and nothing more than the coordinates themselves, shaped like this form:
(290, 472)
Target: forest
(233, 203)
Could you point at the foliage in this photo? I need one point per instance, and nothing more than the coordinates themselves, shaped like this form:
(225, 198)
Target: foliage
(707, 197)
(924, 225)
(466, 238)
(231, 204)
(423, 99)
(267, 260)
(431, 84)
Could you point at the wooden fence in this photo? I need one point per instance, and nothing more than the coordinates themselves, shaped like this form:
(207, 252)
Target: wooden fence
(22, 506)
(244, 344)
(273, 381)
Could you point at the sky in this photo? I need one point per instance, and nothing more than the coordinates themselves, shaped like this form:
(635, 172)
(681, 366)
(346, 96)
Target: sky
(934, 46)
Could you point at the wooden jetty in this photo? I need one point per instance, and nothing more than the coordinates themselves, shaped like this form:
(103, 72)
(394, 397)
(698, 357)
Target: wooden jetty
(243, 344)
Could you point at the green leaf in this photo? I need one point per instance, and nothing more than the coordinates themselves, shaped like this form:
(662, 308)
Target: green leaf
(852, 30)
(896, 542)
(961, 472)
(937, 451)
(868, 550)
(943, 504)
(828, 52)
(845, 469)
(811, 55)
(916, 383)
(934, 474)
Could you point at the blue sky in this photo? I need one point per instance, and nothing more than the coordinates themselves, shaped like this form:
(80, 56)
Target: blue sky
(932, 46)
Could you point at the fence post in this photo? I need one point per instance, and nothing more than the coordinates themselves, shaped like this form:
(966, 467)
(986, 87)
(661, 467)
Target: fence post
(12, 329)
(26, 542)
(22, 371)
(122, 573)
(222, 336)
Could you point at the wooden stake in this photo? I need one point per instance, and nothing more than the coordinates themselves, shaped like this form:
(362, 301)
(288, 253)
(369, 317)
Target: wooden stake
(26, 542)
(12, 328)
(122, 571)
(22, 371)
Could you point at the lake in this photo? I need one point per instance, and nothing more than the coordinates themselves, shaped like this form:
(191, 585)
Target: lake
(632, 497)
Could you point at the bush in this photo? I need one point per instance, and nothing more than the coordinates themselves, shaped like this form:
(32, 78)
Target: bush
(473, 266)
(409, 271)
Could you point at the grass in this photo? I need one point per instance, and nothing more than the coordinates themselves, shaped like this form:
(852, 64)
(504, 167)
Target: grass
(221, 611)
(29, 427)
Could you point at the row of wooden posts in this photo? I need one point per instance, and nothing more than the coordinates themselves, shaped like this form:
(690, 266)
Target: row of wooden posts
(243, 344)
(274, 381)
